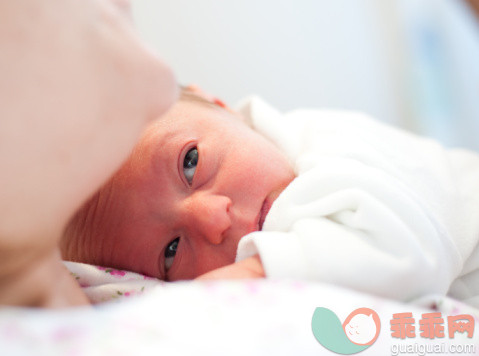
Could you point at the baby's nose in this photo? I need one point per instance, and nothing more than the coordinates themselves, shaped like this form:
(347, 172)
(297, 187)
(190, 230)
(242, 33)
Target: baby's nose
(208, 216)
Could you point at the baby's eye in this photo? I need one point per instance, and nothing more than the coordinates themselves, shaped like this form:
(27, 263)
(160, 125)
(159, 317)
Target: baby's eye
(189, 164)
(170, 253)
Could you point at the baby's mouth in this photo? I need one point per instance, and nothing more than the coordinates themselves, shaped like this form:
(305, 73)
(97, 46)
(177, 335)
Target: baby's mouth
(263, 212)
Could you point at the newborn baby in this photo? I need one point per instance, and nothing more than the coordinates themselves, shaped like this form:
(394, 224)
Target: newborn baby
(199, 180)
(324, 195)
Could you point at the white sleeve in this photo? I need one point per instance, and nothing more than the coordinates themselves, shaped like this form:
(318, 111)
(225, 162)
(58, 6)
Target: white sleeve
(354, 225)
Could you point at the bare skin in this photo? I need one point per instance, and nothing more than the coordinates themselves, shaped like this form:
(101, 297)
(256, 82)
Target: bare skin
(78, 88)
(248, 268)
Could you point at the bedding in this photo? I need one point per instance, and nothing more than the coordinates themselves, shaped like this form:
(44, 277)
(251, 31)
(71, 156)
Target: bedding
(137, 315)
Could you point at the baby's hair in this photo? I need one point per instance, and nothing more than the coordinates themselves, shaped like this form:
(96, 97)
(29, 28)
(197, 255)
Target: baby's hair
(189, 95)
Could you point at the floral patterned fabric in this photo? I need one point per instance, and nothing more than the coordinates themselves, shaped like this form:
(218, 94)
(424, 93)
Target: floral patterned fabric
(102, 284)
(243, 317)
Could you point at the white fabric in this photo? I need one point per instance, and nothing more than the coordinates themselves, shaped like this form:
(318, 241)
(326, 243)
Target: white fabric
(373, 208)
(247, 317)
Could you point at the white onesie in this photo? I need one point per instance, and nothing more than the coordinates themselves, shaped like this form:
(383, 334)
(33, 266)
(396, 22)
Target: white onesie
(373, 208)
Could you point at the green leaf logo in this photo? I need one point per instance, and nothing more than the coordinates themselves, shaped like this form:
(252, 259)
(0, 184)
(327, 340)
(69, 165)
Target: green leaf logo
(358, 332)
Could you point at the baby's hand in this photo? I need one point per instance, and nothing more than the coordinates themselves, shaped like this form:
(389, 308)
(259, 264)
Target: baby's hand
(248, 268)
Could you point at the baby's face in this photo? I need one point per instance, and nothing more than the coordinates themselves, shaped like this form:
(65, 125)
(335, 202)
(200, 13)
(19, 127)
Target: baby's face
(198, 181)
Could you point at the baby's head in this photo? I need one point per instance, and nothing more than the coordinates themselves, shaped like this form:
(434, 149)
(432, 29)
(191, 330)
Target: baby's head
(198, 181)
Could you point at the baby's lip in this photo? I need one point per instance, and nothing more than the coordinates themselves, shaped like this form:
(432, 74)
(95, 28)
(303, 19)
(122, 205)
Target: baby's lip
(262, 213)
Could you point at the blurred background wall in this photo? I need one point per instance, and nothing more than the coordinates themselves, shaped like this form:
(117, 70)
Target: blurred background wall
(412, 63)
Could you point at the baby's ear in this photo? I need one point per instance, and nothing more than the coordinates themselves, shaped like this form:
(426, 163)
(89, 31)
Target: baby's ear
(195, 89)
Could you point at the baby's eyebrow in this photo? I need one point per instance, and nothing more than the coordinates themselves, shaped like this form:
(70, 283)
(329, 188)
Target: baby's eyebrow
(161, 265)
(159, 146)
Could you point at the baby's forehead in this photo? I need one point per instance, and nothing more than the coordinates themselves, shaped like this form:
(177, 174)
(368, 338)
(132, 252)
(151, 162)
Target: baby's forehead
(186, 112)
(191, 120)
(194, 114)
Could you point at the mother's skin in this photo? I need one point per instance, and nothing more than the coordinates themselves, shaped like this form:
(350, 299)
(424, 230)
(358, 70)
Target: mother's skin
(77, 89)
